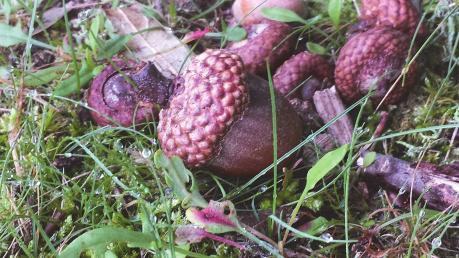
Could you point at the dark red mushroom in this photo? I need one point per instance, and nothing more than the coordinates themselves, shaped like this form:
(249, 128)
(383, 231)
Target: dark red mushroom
(401, 15)
(374, 60)
(267, 40)
(307, 68)
(219, 117)
(127, 93)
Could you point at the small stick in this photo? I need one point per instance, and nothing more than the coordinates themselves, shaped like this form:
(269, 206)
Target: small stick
(438, 190)
(451, 143)
(329, 105)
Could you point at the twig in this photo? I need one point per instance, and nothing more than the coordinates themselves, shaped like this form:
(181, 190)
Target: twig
(329, 105)
(437, 189)
(451, 143)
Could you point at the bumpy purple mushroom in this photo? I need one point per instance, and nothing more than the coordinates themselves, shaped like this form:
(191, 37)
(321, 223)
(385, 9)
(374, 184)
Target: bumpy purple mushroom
(266, 41)
(305, 67)
(374, 60)
(219, 117)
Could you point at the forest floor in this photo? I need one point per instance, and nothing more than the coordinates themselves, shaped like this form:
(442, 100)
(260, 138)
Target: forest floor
(62, 175)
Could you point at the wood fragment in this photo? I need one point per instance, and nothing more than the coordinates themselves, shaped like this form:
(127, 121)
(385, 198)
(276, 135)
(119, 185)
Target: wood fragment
(437, 186)
(329, 105)
(151, 40)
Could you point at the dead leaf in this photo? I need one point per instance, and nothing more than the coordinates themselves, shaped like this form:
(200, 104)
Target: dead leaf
(54, 14)
(151, 40)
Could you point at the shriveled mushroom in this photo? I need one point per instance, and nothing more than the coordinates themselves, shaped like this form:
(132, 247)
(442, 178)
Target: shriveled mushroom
(127, 93)
(219, 117)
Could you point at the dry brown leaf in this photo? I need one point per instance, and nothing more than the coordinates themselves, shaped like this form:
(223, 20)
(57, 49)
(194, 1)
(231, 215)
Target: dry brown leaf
(154, 43)
(54, 14)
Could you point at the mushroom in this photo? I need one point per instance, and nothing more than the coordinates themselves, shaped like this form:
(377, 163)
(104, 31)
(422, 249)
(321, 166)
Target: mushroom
(219, 117)
(249, 11)
(374, 59)
(312, 69)
(267, 40)
(127, 93)
(401, 15)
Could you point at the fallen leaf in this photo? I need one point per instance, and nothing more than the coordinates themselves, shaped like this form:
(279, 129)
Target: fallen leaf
(151, 41)
(54, 14)
(14, 35)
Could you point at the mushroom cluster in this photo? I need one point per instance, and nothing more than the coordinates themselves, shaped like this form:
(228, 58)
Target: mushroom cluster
(217, 113)
(272, 43)
(376, 57)
(214, 115)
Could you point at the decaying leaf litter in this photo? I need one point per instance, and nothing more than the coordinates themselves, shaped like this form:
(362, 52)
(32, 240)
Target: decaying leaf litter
(69, 186)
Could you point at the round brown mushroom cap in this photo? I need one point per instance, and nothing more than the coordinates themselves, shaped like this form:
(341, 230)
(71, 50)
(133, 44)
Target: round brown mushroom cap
(397, 14)
(115, 100)
(375, 59)
(210, 97)
(247, 147)
(299, 68)
(266, 40)
(249, 11)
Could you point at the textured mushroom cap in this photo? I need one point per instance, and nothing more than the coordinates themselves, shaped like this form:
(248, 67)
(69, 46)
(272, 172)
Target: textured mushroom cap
(299, 68)
(209, 98)
(268, 39)
(374, 59)
(397, 14)
(114, 100)
(249, 11)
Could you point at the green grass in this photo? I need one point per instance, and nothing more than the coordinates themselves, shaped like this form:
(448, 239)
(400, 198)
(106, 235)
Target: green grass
(115, 186)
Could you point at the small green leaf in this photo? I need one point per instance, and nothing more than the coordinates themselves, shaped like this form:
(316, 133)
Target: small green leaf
(317, 226)
(44, 76)
(69, 85)
(94, 29)
(98, 239)
(11, 36)
(369, 158)
(178, 177)
(281, 14)
(334, 11)
(114, 45)
(325, 165)
(235, 33)
(316, 48)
